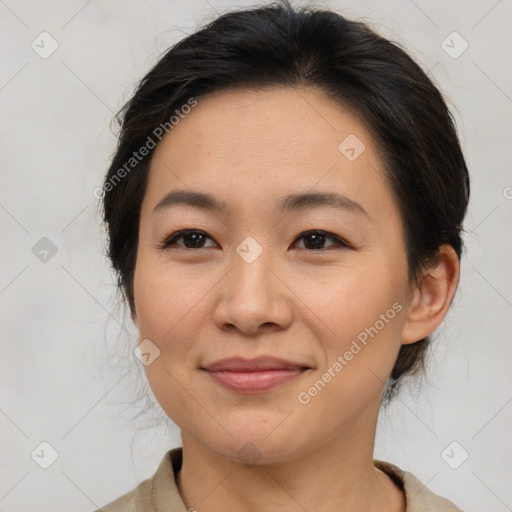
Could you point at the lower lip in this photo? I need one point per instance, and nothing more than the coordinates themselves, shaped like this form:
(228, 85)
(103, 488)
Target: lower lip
(255, 381)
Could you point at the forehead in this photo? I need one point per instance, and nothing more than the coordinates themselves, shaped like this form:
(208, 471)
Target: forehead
(254, 145)
(268, 121)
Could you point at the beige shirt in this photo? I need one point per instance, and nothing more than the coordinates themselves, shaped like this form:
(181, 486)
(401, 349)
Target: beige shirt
(160, 493)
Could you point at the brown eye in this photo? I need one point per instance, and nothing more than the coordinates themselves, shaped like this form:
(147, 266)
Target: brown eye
(195, 239)
(315, 240)
(192, 239)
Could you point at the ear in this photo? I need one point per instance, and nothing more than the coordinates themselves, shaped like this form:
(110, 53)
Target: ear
(432, 297)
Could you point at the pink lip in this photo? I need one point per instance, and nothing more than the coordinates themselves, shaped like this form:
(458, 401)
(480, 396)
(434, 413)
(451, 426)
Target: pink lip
(252, 376)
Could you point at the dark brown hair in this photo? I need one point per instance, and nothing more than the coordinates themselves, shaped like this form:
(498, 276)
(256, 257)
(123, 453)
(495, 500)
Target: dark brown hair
(278, 45)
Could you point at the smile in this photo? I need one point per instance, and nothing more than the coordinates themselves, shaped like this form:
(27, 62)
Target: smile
(255, 375)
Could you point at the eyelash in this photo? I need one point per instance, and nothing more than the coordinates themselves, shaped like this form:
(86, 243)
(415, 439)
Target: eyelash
(167, 243)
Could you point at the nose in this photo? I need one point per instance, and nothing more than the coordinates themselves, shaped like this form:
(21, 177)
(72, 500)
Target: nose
(253, 298)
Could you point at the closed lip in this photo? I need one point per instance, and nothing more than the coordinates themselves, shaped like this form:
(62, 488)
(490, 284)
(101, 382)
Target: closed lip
(258, 364)
(253, 376)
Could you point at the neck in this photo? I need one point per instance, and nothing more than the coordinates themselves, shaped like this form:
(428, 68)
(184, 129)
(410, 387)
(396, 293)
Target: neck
(337, 475)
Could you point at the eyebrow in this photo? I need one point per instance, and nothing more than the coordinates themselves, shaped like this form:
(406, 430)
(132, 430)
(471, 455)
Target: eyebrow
(286, 204)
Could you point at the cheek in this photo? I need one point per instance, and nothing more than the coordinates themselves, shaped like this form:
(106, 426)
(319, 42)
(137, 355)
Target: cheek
(173, 309)
(361, 312)
(351, 299)
(168, 313)
(165, 298)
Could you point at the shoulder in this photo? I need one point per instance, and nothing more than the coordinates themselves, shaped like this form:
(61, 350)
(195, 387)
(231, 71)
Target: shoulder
(160, 492)
(418, 497)
(154, 494)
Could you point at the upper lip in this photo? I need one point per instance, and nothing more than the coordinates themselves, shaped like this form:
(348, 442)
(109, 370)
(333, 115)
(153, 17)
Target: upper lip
(240, 364)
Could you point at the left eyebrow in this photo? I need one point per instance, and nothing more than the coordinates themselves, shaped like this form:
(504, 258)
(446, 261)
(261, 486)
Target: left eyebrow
(291, 202)
(308, 201)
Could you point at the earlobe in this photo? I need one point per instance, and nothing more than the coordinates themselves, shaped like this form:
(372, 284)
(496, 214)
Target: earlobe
(432, 297)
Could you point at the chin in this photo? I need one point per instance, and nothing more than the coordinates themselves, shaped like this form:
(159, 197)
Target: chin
(250, 446)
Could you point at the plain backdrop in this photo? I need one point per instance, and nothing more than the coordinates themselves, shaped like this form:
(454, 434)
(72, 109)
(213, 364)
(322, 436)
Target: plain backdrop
(68, 377)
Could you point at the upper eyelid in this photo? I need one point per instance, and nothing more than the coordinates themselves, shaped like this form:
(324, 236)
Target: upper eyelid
(180, 233)
(165, 243)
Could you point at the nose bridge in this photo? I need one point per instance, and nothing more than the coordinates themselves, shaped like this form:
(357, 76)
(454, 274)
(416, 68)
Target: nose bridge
(251, 294)
(251, 269)
(251, 278)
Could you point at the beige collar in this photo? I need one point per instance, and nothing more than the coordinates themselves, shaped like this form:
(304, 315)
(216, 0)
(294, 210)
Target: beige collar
(160, 493)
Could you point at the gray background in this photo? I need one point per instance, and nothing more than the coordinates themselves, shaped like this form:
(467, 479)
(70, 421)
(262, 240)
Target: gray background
(67, 374)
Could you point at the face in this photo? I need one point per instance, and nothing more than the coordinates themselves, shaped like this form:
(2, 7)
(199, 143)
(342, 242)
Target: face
(299, 270)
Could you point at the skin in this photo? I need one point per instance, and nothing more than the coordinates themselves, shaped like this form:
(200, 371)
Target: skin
(307, 305)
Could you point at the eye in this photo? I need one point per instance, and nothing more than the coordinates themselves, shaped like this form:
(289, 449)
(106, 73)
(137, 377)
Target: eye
(315, 239)
(195, 239)
(192, 238)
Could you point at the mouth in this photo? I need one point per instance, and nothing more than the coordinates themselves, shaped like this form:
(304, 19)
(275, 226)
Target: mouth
(252, 376)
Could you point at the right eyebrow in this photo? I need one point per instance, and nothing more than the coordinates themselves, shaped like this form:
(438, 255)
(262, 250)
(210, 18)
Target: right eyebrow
(199, 200)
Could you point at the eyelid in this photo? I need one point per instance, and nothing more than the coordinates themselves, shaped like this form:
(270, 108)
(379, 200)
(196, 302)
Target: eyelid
(168, 240)
(340, 241)
(165, 244)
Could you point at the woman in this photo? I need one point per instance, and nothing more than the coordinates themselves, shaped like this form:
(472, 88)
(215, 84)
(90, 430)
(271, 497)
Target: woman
(284, 213)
